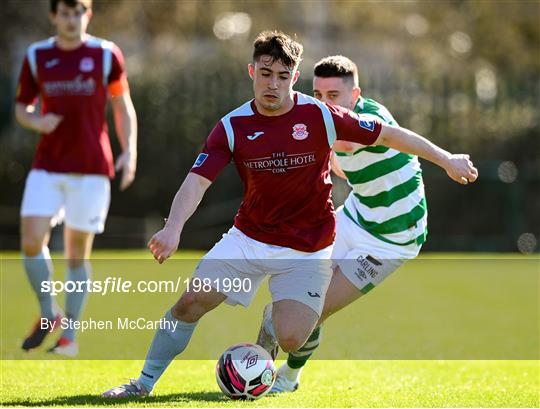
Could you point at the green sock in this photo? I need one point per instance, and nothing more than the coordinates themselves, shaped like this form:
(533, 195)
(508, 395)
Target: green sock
(298, 359)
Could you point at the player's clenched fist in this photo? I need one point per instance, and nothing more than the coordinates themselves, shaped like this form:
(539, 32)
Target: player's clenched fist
(461, 169)
(49, 122)
(164, 243)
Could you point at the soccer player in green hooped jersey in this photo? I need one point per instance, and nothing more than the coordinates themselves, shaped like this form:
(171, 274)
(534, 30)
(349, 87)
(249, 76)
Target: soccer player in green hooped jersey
(383, 222)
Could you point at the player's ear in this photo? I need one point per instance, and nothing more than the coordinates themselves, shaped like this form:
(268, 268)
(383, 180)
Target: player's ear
(356, 92)
(295, 78)
(251, 70)
(52, 18)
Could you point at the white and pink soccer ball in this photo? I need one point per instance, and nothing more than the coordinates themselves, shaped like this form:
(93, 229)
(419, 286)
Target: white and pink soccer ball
(245, 371)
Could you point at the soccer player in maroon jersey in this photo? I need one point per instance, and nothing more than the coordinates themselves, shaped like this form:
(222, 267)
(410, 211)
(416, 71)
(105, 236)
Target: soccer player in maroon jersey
(280, 143)
(73, 74)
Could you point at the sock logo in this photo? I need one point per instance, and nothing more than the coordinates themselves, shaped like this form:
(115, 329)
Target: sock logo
(147, 375)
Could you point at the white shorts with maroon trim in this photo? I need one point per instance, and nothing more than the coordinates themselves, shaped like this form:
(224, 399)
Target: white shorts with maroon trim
(237, 265)
(83, 200)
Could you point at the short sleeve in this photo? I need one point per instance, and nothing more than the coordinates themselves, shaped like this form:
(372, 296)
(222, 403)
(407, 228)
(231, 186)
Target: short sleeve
(27, 88)
(215, 154)
(351, 127)
(117, 81)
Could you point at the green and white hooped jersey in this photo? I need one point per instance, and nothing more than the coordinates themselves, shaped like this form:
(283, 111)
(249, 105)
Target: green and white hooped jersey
(387, 198)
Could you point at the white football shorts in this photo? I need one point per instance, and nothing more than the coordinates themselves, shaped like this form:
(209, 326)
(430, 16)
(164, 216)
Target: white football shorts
(365, 260)
(293, 274)
(82, 200)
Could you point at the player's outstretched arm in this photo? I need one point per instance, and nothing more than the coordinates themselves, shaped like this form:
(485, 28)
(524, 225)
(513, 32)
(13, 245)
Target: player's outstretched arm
(125, 121)
(165, 242)
(458, 166)
(27, 116)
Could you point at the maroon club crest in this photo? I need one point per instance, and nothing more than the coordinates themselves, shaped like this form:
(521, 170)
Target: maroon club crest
(300, 132)
(86, 64)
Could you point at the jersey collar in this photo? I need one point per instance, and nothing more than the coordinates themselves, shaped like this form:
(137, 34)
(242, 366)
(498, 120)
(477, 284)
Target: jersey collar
(359, 105)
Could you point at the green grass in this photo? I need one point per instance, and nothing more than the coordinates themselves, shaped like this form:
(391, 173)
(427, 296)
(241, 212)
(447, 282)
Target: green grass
(324, 384)
(445, 331)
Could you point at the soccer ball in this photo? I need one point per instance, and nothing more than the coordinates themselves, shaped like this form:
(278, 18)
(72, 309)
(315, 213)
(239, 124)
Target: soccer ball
(245, 371)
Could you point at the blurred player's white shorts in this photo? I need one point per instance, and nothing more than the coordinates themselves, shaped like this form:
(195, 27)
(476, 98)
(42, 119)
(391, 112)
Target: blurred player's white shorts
(293, 275)
(83, 200)
(365, 260)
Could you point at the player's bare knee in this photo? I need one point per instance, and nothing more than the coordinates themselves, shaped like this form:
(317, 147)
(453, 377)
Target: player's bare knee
(78, 247)
(31, 245)
(75, 255)
(75, 263)
(291, 342)
(184, 307)
(190, 307)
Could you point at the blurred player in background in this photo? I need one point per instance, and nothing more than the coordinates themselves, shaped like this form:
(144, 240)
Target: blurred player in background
(383, 222)
(280, 143)
(73, 75)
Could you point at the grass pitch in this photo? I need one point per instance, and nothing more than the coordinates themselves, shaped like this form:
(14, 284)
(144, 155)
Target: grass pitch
(324, 384)
(459, 313)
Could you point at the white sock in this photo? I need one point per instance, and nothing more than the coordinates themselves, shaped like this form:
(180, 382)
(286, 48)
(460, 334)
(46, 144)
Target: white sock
(292, 374)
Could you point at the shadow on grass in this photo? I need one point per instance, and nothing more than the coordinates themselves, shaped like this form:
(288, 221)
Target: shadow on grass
(93, 400)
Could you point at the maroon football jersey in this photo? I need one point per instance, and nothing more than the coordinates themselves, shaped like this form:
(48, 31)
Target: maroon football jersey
(283, 162)
(73, 84)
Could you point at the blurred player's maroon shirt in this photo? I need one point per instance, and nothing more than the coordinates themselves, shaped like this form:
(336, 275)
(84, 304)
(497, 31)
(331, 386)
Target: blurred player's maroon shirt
(283, 162)
(76, 85)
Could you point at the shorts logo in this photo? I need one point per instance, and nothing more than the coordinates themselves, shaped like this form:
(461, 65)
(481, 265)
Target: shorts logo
(360, 274)
(300, 132)
(86, 64)
(200, 160)
(368, 124)
(365, 265)
(313, 295)
(373, 260)
(95, 220)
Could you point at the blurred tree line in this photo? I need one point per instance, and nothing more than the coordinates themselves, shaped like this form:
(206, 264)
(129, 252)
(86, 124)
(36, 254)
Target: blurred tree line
(466, 74)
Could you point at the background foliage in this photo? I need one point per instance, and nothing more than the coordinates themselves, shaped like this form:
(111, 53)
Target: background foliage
(463, 73)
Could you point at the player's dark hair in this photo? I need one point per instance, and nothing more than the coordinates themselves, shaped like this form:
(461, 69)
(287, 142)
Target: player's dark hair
(87, 4)
(337, 66)
(279, 46)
